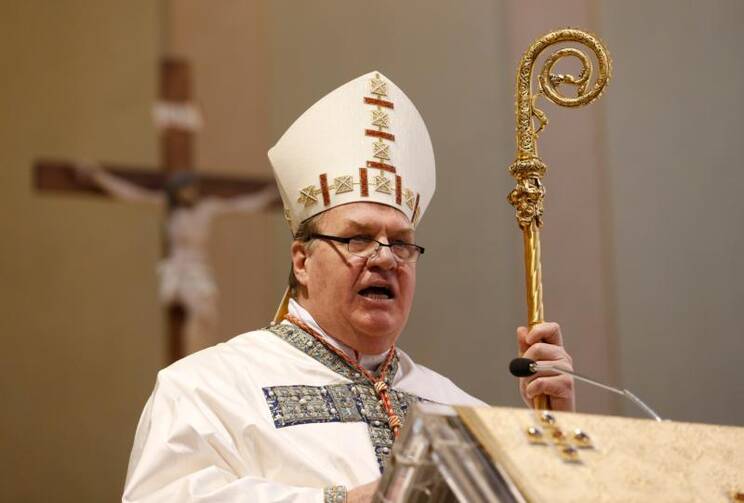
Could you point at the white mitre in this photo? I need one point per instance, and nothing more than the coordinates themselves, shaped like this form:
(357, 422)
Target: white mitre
(365, 141)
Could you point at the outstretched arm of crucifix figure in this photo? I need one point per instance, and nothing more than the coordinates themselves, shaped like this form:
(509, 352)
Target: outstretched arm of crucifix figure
(119, 187)
(248, 203)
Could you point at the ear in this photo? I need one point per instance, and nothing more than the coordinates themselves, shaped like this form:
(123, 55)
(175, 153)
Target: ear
(299, 253)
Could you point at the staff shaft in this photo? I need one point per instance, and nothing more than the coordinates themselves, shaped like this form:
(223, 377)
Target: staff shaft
(533, 274)
(533, 282)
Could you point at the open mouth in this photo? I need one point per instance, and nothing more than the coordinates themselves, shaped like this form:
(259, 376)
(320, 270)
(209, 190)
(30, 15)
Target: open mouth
(377, 293)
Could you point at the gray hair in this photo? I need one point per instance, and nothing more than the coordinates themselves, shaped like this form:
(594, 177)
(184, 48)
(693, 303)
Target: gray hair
(304, 235)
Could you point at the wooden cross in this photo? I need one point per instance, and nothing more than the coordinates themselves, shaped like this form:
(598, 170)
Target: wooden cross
(176, 154)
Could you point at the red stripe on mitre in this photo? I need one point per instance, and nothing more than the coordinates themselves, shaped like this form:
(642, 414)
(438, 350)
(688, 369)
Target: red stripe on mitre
(324, 189)
(398, 189)
(364, 188)
(381, 165)
(378, 102)
(379, 134)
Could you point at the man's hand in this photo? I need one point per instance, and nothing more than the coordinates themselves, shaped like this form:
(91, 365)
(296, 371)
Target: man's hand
(362, 494)
(544, 344)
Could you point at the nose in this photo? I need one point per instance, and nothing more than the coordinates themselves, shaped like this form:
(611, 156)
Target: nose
(383, 258)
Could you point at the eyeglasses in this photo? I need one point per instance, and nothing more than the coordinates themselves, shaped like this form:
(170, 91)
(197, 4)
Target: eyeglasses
(367, 247)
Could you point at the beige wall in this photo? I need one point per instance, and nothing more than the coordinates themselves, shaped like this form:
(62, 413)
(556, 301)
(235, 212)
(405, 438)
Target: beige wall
(642, 237)
(674, 155)
(80, 321)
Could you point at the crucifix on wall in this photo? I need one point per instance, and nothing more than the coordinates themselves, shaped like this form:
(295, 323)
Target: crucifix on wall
(187, 286)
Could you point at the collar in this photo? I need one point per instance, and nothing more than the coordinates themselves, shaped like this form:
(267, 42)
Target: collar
(369, 362)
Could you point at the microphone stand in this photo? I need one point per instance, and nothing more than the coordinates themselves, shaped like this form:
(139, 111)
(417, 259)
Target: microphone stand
(538, 367)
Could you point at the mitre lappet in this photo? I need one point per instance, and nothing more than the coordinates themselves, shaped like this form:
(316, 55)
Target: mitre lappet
(363, 142)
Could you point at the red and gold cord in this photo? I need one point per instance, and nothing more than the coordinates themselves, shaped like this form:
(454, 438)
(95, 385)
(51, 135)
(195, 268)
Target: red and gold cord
(378, 383)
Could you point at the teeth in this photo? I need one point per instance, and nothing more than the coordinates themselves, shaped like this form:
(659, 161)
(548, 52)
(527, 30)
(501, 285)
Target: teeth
(377, 293)
(377, 296)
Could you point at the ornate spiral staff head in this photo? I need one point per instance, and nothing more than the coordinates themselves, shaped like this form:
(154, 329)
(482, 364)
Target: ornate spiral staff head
(528, 169)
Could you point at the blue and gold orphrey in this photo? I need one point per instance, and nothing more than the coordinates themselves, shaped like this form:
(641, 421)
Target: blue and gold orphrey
(351, 402)
(334, 494)
(379, 173)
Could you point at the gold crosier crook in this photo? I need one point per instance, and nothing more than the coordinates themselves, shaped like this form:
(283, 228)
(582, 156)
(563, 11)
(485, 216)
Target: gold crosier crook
(528, 169)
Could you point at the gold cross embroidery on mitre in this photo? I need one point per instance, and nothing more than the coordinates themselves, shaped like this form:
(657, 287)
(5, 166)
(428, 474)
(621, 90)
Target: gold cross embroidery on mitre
(308, 195)
(381, 150)
(382, 183)
(410, 198)
(380, 119)
(343, 184)
(378, 86)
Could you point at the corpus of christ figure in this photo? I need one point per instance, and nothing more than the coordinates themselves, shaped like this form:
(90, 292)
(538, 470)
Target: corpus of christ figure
(187, 284)
(185, 275)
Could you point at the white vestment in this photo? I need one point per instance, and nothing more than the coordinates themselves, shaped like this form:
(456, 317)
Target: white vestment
(270, 416)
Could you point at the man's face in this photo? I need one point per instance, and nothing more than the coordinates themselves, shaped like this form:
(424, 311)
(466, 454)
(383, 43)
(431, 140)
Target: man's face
(362, 302)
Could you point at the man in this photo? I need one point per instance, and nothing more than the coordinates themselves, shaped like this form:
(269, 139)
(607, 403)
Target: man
(307, 410)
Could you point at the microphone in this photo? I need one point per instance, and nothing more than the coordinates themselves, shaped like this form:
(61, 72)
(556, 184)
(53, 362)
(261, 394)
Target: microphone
(525, 367)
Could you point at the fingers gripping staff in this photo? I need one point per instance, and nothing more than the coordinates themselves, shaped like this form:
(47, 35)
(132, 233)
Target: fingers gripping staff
(528, 169)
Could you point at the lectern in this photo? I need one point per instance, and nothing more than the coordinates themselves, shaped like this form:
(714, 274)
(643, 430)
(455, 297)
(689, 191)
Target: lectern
(505, 455)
